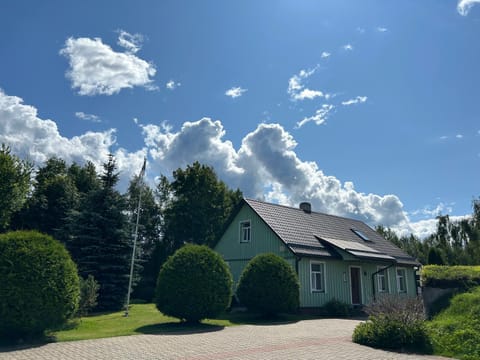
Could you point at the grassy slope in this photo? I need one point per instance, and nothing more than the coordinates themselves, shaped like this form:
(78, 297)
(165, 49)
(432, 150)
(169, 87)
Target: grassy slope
(455, 332)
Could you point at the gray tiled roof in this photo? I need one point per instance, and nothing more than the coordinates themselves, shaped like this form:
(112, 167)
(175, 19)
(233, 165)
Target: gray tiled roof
(316, 234)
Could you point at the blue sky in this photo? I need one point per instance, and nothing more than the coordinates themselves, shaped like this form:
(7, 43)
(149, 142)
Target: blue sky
(367, 109)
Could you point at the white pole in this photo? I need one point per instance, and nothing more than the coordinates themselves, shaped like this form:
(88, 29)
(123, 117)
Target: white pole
(135, 236)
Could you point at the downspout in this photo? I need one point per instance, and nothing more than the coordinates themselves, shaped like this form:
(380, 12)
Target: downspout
(373, 278)
(297, 260)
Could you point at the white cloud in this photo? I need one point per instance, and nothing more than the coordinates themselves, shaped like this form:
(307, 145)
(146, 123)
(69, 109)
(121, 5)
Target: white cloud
(358, 99)
(36, 139)
(132, 43)
(296, 88)
(325, 54)
(267, 167)
(172, 85)
(348, 47)
(235, 92)
(321, 115)
(444, 137)
(459, 136)
(464, 6)
(382, 29)
(89, 117)
(95, 69)
(361, 30)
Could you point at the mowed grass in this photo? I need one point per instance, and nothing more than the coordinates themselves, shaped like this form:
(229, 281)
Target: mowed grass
(142, 319)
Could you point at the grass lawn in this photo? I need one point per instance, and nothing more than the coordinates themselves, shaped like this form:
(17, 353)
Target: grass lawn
(146, 319)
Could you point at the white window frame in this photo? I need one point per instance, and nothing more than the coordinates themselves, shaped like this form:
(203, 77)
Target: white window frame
(385, 276)
(242, 229)
(322, 274)
(400, 291)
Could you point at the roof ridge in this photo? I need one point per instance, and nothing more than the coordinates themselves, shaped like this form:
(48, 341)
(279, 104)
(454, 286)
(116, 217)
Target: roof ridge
(312, 212)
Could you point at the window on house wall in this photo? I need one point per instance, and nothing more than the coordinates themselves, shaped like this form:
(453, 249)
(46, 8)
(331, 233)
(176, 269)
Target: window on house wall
(317, 275)
(245, 231)
(401, 280)
(382, 279)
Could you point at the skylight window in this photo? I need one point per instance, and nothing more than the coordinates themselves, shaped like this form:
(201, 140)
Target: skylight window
(361, 235)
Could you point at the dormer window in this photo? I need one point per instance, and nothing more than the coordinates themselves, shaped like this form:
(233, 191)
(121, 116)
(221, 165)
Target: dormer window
(245, 231)
(361, 235)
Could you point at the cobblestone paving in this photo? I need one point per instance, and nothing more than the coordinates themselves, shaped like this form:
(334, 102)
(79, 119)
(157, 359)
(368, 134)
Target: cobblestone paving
(309, 339)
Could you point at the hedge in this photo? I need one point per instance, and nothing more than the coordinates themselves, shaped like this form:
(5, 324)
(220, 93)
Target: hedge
(462, 277)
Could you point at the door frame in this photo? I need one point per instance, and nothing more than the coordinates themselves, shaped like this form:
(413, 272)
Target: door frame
(360, 287)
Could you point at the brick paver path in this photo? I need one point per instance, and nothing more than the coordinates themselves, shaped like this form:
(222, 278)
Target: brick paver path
(309, 339)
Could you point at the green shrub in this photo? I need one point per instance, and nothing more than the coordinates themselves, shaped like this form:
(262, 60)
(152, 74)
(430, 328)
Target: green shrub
(336, 308)
(39, 284)
(391, 334)
(269, 285)
(193, 284)
(462, 277)
(395, 323)
(455, 332)
(88, 295)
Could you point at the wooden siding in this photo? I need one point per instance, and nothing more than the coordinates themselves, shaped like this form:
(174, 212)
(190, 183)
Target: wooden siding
(263, 240)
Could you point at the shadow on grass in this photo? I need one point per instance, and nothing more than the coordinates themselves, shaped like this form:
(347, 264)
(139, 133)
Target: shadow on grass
(178, 328)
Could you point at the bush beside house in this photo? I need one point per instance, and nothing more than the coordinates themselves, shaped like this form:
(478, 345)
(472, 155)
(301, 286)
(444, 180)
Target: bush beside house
(269, 285)
(193, 284)
(39, 285)
(394, 323)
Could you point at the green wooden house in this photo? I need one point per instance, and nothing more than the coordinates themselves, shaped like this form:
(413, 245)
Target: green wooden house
(334, 257)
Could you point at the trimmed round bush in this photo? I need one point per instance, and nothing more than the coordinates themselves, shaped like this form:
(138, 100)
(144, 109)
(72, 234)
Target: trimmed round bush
(39, 284)
(268, 285)
(193, 284)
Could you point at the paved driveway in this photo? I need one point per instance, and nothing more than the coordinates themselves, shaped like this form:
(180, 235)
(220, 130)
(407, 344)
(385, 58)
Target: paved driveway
(309, 339)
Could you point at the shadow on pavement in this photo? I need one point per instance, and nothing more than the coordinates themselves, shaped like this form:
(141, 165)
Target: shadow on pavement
(7, 345)
(175, 328)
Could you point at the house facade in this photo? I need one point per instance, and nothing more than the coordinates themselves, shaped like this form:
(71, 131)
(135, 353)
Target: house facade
(334, 257)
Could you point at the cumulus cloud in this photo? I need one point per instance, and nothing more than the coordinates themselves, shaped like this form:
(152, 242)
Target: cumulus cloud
(267, 167)
(358, 99)
(459, 136)
(96, 69)
(382, 29)
(464, 6)
(321, 115)
(347, 47)
(36, 139)
(235, 92)
(296, 88)
(172, 85)
(325, 54)
(89, 117)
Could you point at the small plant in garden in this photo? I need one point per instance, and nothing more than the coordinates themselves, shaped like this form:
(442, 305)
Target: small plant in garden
(194, 284)
(88, 295)
(336, 307)
(39, 284)
(396, 323)
(269, 285)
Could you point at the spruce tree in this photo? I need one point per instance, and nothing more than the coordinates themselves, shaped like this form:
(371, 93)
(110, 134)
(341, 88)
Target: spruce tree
(100, 243)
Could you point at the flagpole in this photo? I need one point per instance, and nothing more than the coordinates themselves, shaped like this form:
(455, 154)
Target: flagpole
(135, 236)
